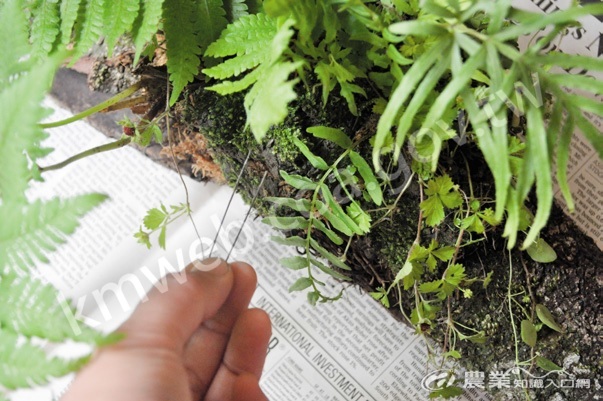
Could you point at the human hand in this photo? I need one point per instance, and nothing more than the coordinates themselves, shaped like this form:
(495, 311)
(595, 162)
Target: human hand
(196, 341)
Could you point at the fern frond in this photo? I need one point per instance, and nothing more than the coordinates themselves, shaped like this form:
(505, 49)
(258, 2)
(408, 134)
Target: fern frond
(256, 43)
(69, 13)
(234, 67)
(32, 309)
(247, 35)
(212, 20)
(45, 27)
(20, 135)
(182, 43)
(267, 102)
(13, 25)
(235, 9)
(145, 25)
(88, 27)
(29, 231)
(23, 364)
(119, 17)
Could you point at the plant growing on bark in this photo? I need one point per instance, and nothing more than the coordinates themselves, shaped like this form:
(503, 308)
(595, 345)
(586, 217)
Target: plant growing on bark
(436, 73)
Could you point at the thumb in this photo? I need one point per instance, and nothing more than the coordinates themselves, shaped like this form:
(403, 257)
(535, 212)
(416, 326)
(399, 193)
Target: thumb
(247, 388)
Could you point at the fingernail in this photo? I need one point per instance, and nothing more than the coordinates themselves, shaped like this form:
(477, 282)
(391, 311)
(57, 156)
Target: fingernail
(213, 266)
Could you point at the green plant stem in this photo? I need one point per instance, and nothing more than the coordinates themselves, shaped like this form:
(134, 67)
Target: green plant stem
(511, 309)
(93, 151)
(95, 109)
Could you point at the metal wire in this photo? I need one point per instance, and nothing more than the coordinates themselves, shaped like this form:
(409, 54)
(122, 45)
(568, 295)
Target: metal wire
(255, 196)
(229, 202)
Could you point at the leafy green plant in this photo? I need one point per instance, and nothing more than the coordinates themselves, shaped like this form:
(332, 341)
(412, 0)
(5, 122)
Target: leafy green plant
(30, 310)
(322, 212)
(158, 219)
(435, 72)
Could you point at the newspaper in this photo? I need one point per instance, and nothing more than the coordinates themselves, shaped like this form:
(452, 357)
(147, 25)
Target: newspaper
(350, 350)
(585, 169)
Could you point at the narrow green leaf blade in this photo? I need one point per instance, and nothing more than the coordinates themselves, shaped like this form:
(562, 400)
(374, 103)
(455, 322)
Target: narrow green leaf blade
(290, 241)
(334, 260)
(538, 147)
(329, 271)
(334, 135)
(298, 181)
(316, 161)
(401, 94)
(301, 284)
(417, 28)
(370, 180)
(287, 223)
(299, 205)
(336, 239)
(547, 318)
(295, 262)
(547, 364)
(528, 333)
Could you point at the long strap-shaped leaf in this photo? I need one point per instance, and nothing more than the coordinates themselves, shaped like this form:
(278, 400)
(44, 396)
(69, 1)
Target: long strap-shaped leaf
(538, 21)
(406, 87)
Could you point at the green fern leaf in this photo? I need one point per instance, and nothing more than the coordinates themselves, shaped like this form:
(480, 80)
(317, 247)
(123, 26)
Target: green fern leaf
(250, 34)
(45, 27)
(212, 20)
(31, 230)
(119, 17)
(32, 309)
(236, 9)
(182, 44)
(88, 27)
(20, 135)
(145, 25)
(267, 102)
(236, 66)
(245, 35)
(69, 13)
(24, 364)
(229, 87)
(13, 25)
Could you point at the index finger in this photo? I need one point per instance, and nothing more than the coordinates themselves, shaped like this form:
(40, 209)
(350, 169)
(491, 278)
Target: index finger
(168, 318)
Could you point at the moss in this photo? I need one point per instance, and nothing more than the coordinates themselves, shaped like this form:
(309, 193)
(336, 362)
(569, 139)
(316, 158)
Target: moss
(283, 145)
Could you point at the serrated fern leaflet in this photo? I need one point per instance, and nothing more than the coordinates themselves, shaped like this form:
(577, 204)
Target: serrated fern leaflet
(118, 18)
(183, 51)
(30, 231)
